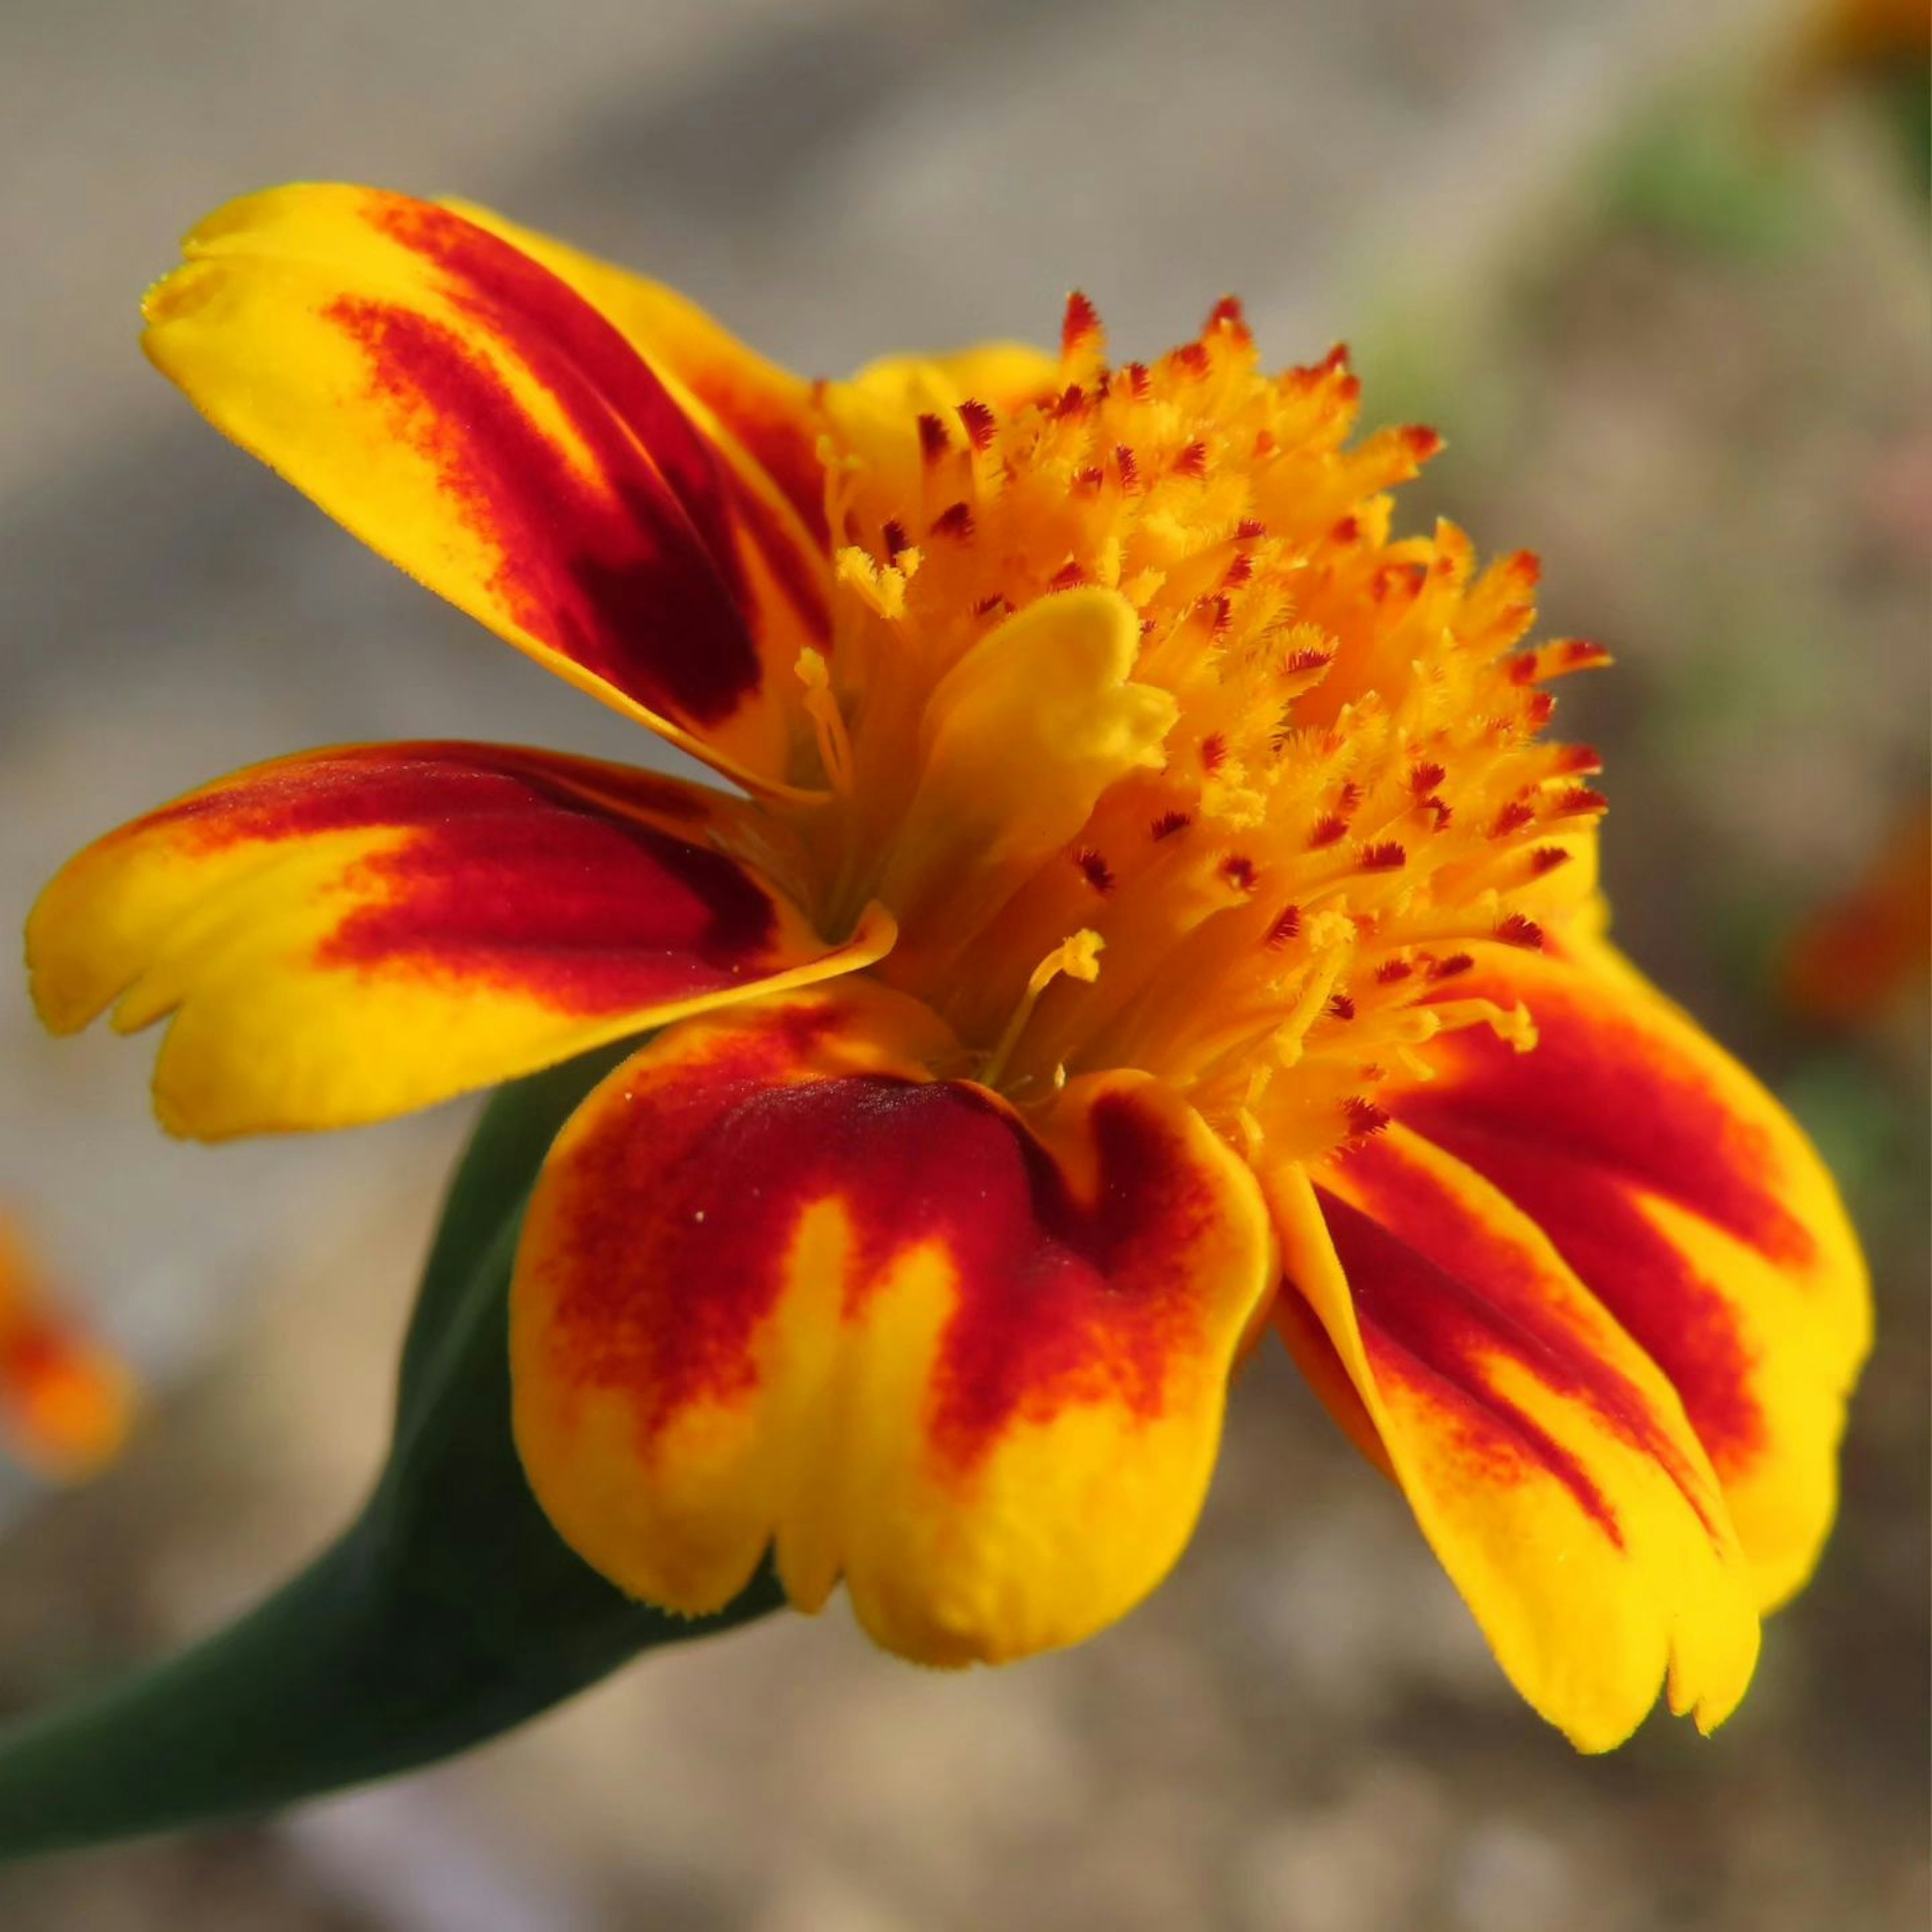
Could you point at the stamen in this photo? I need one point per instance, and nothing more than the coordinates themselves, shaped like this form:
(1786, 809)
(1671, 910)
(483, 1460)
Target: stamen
(835, 745)
(1078, 957)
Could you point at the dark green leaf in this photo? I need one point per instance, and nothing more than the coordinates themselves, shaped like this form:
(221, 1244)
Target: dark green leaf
(449, 1611)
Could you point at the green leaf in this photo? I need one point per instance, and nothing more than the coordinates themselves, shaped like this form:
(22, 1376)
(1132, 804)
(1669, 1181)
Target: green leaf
(448, 1612)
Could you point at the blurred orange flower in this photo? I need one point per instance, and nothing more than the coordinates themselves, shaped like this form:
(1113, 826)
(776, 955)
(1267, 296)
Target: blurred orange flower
(1152, 912)
(66, 1401)
(1859, 955)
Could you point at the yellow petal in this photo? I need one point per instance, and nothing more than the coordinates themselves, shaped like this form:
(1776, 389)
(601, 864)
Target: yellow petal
(1691, 1207)
(779, 1285)
(467, 414)
(1547, 1460)
(345, 935)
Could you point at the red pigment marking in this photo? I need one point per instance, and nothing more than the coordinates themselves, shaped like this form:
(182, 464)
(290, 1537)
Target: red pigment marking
(1214, 752)
(1456, 963)
(1426, 777)
(1683, 1323)
(673, 1220)
(1238, 869)
(1517, 930)
(1436, 1333)
(517, 873)
(979, 423)
(575, 351)
(1128, 464)
(1342, 1007)
(1363, 1117)
(1168, 823)
(1301, 661)
(608, 572)
(1421, 442)
(800, 574)
(1227, 313)
(1140, 382)
(776, 434)
(1097, 872)
(1081, 323)
(605, 388)
(1386, 857)
(1607, 1094)
(1512, 818)
(1071, 401)
(1513, 1301)
(1546, 859)
(1287, 925)
(934, 442)
(955, 521)
(1581, 799)
(362, 786)
(1249, 529)
(1067, 577)
(1390, 970)
(1327, 830)
(1191, 462)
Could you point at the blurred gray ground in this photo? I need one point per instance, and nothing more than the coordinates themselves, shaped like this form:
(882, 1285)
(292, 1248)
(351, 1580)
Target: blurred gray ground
(1721, 441)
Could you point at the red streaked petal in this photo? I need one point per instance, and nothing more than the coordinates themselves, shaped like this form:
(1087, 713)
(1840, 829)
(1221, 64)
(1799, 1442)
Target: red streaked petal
(350, 933)
(780, 1285)
(1691, 1206)
(1546, 1459)
(762, 418)
(467, 413)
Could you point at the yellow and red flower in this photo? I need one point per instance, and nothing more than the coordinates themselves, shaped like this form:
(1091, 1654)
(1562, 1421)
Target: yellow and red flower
(1149, 913)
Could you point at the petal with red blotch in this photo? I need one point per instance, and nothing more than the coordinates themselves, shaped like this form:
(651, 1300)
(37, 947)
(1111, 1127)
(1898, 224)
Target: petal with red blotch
(1546, 1459)
(781, 1286)
(347, 934)
(762, 418)
(1691, 1207)
(469, 415)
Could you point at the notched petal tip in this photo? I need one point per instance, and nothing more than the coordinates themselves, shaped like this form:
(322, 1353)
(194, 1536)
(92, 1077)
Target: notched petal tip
(1548, 1462)
(973, 1367)
(346, 935)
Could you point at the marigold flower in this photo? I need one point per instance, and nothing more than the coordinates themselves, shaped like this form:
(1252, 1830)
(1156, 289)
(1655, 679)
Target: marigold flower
(1151, 913)
(67, 1401)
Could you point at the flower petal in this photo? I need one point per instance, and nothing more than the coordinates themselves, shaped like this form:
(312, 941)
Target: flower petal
(1546, 1459)
(762, 418)
(462, 410)
(1693, 1210)
(347, 934)
(780, 1284)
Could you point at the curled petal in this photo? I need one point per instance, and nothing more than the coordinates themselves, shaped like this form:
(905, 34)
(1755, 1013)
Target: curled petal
(779, 1285)
(1691, 1207)
(348, 934)
(1546, 1459)
(467, 413)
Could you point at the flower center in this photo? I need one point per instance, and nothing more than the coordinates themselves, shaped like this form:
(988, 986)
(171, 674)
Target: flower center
(1137, 659)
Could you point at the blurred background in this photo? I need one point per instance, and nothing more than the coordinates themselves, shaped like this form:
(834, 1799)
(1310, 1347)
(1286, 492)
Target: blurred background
(1660, 273)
